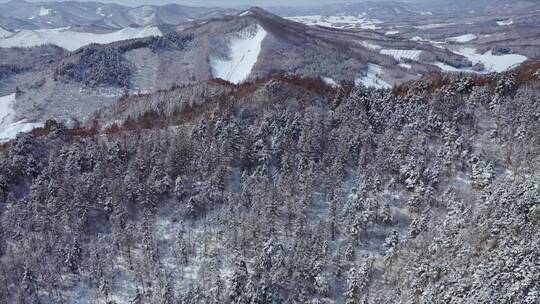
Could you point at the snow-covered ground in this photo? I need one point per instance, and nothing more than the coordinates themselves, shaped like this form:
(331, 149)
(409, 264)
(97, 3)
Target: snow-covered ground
(245, 13)
(243, 54)
(143, 15)
(437, 44)
(505, 22)
(8, 127)
(405, 65)
(370, 45)
(388, 33)
(492, 63)
(463, 38)
(72, 40)
(432, 26)
(329, 81)
(399, 54)
(339, 21)
(449, 68)
(45, 11)
(374, 77)
(4, 33)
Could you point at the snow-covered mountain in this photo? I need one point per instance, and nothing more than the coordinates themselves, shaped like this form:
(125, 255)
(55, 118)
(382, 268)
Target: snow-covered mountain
(18, 14)
(323, 157)
(249, 45)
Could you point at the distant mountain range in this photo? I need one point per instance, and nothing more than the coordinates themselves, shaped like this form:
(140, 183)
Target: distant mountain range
(38, 15)
(250, 45)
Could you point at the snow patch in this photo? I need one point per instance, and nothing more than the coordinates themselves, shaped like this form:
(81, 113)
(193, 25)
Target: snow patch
(8, 127)
(44, 11)
(437, 44)
(99, 11)
(144, 15)
(244, 53)
(405, 65)
(432, 26)
(373, 78)
(505, 22)
(245, 13)
(388, 33)
(370, 45)
(463, 38)
(5, 33)
(400, 54)
(448, 68)
(72, 40)
(329, 81)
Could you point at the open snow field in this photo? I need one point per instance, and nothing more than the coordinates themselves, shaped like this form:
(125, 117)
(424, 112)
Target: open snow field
(373, 78)
(4, 33)
(492, 63)
(243, 56)
(8, 127)
(463, 38)
(399, 54)
(72, 40)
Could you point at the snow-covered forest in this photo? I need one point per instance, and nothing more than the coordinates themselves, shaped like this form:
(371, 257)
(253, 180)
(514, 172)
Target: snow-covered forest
(283, 191)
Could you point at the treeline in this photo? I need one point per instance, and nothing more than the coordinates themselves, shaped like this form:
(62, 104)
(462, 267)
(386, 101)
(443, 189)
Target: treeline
(97, 65)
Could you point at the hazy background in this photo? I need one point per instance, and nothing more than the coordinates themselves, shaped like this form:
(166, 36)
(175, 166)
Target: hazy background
(223, 3)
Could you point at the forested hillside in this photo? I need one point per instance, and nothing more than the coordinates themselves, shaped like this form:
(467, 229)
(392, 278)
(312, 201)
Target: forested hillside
(283, 190)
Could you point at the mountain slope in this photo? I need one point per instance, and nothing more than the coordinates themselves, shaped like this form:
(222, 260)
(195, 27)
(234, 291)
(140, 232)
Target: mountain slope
(253, 44)
(281, 191)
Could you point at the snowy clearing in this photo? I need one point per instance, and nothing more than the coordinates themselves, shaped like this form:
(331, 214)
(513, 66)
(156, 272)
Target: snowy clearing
(388, 33)
(244, 53)
(399, 54)
(505, 22)
(340, 21)
(45, 11)
(9, 128)
(329, 81)
(373, 78)
(463, 38)
(72, 40)
(493, 63)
